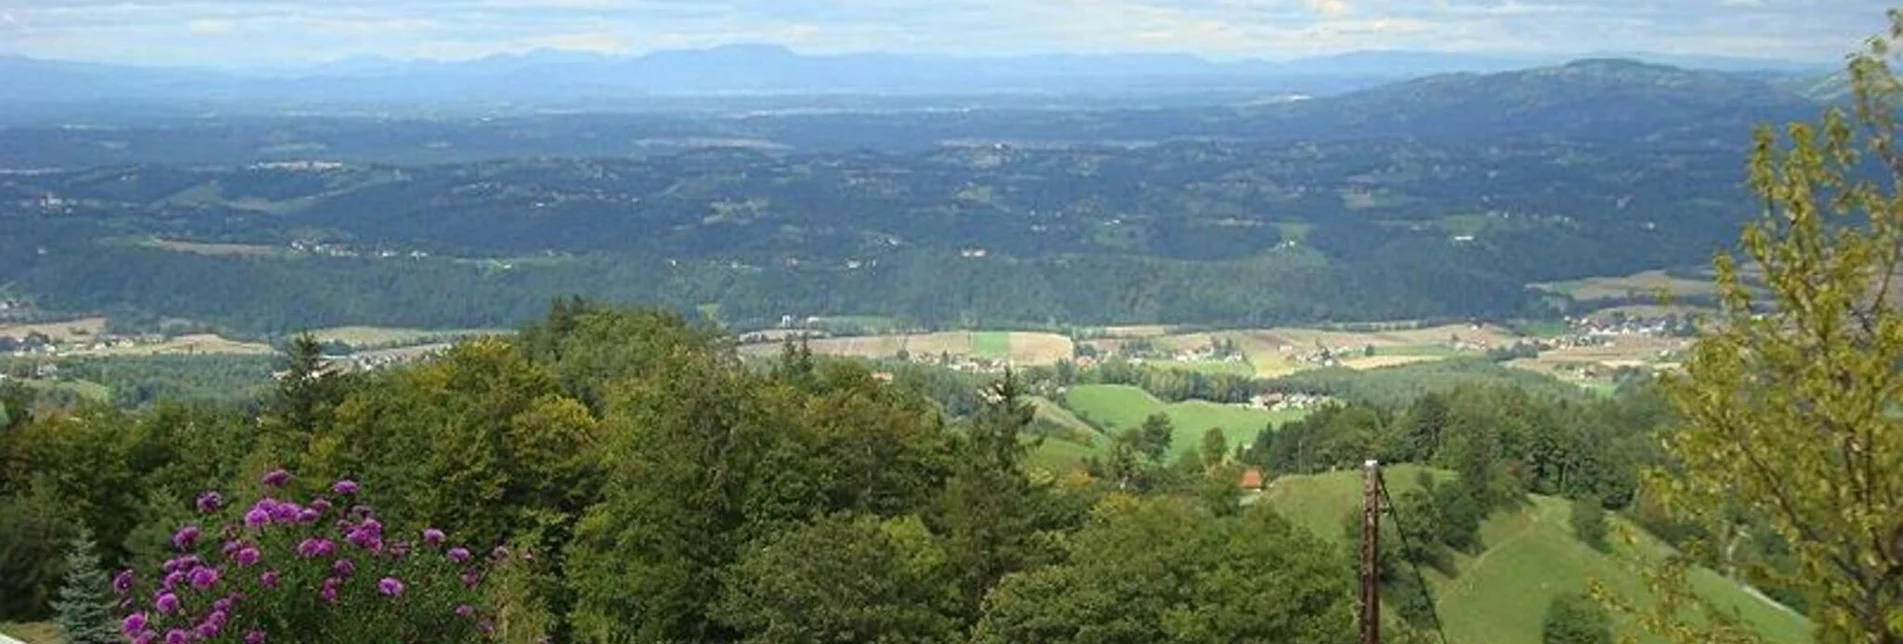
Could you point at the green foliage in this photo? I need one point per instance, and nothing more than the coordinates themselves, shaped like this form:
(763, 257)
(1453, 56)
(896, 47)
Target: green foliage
(1788, 401)
(843, 579)
(1588, 519)
(1575, 619)
(35, 523)
(1149, 570)
(705, 458)
(84, 607)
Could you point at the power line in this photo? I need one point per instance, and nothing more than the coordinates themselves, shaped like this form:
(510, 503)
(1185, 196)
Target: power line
(1395, 511)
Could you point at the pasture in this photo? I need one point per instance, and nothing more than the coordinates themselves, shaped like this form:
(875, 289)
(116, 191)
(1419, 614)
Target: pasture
(1123, 406)
(1529, 557)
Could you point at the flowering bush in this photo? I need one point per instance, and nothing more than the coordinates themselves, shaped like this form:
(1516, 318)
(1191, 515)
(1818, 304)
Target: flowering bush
(320, 571)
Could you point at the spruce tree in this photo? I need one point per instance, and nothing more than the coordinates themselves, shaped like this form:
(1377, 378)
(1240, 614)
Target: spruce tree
(84, 607)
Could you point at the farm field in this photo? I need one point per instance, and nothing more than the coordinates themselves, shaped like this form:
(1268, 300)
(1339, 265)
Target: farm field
(66, 331)
(1212, 367)
(213, 249)
(1018, 347)
(375, 336)
(1531, 556)
(1123, 406)
(196, 344)
(1640, 285)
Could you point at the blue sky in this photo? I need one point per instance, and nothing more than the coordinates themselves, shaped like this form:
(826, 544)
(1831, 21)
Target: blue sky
(278, 32)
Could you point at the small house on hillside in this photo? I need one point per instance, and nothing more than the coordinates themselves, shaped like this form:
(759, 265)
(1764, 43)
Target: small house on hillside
(1251, 479)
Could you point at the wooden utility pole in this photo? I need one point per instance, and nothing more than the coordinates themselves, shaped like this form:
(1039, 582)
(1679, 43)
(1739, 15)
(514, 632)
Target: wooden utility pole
(1370, 552)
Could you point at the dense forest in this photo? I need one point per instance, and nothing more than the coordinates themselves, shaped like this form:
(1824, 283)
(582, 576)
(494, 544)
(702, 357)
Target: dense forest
(1210, 233)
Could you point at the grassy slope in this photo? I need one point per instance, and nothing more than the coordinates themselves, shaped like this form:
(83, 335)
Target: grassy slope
(32, 632)
(1126, 406)
(1501, 595)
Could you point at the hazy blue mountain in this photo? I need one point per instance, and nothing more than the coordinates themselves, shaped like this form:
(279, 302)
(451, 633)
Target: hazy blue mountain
(548, 77)
(1592, 98)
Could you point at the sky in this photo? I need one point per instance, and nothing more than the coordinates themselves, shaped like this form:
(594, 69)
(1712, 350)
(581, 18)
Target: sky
(245, 33)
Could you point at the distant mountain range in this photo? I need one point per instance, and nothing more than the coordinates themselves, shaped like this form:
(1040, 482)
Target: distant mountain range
(558, 78)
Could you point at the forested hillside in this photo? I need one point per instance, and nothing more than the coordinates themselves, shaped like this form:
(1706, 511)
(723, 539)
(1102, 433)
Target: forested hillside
(665, 491)
(1209, 233)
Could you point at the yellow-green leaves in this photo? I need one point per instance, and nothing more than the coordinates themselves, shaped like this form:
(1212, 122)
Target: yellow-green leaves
(1789, 401)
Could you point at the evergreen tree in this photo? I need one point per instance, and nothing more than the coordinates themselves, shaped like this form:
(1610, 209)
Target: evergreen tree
(987, 513)
(84, 607)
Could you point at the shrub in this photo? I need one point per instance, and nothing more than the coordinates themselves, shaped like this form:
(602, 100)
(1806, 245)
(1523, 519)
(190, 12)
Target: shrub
(1589, 522)
(322, 571)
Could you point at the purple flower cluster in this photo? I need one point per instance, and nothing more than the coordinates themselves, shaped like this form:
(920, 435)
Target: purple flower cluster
(196, 599)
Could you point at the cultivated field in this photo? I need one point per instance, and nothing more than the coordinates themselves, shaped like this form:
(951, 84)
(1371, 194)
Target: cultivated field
(1592, 364)
(1016, 347)
(197, 344)
(214, 249)
(68, 331)
(374, 336)
(1645, 284)
(1531, 556)
(1272, 351)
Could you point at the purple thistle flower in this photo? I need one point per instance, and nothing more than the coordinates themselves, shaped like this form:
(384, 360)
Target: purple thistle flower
(133, 624)
(185, 537)
(172, 580)
(320, 504)
(249, 557)
(170, 565)
(345, 487)
(465, 610)
(459, 554)
(343, 568)
(177, 636)
(122, 582)
(359, 512)
(471, 577)
(499, 553)
(204, 578)
(254, 637)
(269, 579)
(219, 617)
(487, 626)
(329, 593)
(309, 515)
(433, 537)
(167, 603)
(256, 518)
(390, 587)
(277, 478)
(206, 630)
(209, 502)
(315, 547)
(400, 550)
(232, 547)
(285, 512)
(222, 604)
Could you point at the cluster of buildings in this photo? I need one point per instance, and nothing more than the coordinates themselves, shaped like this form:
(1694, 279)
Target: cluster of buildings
(1280, 401)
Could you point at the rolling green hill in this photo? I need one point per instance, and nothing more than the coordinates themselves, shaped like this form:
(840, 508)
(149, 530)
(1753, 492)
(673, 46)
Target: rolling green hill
(1121, 406)
(1501, 594)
